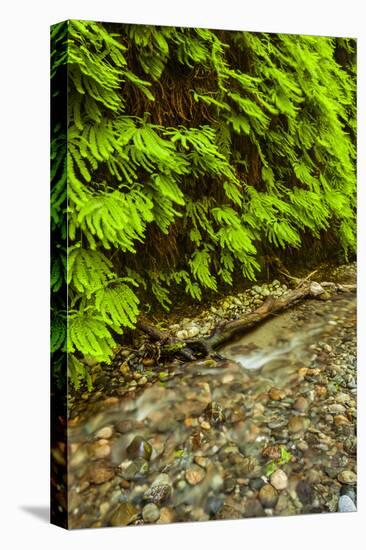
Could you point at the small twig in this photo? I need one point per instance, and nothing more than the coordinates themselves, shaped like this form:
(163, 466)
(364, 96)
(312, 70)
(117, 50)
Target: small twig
(302, 281)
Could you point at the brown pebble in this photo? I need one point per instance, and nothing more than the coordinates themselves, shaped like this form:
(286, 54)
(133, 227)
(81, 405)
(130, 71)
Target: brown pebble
(100, 475)
(205, 425)
(167, 515)
(298, 424)
(272, 452)
(125, 514)
(268, 496)
(195, 474)
(148, 362)
(104, 433)
(101, 449)
(301, 404)
(276, 394)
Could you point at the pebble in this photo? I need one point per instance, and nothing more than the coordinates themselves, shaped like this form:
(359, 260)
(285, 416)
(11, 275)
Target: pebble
(160, 489)
(139, 448)
(304, 491)
(336, 408)
(347, 477)
(298, 424)
(100, 475)
(268, 496)
(279, 480)
(301, 404)
(150, 513)
(104, 433)
(195, 475)
(276, 394)
(125, 514)
(346, 504)
(102, 450)
(167, 515)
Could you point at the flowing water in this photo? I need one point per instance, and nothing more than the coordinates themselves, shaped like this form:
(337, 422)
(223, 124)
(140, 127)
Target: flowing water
(202, 442)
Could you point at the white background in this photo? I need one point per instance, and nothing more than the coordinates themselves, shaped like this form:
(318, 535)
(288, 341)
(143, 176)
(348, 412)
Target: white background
(24, 264)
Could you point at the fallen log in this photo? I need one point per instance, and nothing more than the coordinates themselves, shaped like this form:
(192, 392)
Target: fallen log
(189, 349)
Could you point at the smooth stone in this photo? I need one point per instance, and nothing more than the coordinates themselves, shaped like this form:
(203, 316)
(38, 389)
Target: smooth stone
(139, 448)
(213, 505)
(298, 424)
(100, 475)
(304, 492)
(167, 515)
(301, 404)
(102, 450)
(125, 514)
(346, 504)
(150, 513)
(268, 496)
(136, 469)
(279, 480)
(104, 433)
(195, 475)
(347, 477)
(276, 394)
(336, 408)
(316, 289)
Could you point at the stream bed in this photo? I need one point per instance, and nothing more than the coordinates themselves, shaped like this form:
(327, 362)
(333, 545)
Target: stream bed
(268, 429)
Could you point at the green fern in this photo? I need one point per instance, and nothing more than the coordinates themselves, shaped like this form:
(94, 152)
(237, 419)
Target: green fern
(188, 153)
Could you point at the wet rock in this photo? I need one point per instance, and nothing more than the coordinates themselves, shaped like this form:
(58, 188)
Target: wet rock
(101, 449)
(336, 408)
(301, 404)
(195, 475)
(139, 448)
(137, 469)
(248, 467)
(256, 484)
(213, 505)
(298, 424)
(167, 515)
(99, 475)
(273, 452)
(304, 491)
(345, 504)
(229, 484)
(182, 334)
(347, 477)
(150, 513)
(268, 496)
(229, 512)
(316, 289)
(253, 509)
(214, 413)
(160, 489)
(125, 514)
(276, 394)
(125, 426)
(192, 332)
(279, 480)
(104, 433)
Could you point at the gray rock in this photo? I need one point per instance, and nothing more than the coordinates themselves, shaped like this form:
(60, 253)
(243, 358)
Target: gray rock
(150, 513)
(346, 504)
